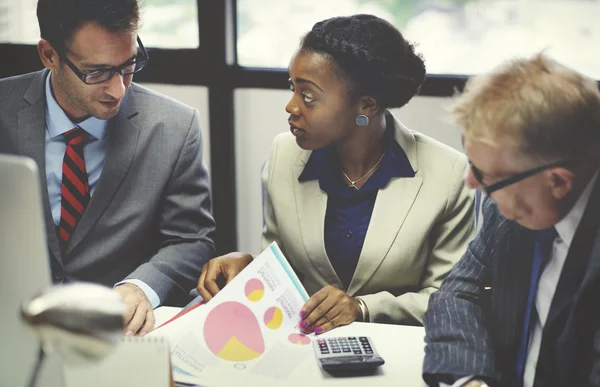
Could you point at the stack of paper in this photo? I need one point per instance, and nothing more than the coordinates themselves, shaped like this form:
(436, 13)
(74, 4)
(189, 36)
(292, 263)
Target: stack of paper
(136, 361)
(247, 333)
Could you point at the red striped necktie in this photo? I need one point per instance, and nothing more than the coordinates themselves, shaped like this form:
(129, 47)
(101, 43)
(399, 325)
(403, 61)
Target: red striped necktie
(75, 188)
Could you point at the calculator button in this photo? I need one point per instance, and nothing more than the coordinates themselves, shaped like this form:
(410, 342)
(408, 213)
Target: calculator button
(335, 350)
(364, 339)
(357, 352)
(368, 352)
(346, 350)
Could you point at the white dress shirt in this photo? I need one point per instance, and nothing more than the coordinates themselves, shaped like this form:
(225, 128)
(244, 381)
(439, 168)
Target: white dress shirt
(549, 279)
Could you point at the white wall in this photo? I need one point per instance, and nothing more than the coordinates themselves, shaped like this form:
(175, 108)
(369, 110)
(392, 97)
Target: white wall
(260, 116)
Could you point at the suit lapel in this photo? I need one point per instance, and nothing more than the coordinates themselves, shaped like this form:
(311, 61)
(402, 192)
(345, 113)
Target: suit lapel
(592, 274)
(392, 205)
(120, 149)
(511, 285)
(311, 206)
(31, 142)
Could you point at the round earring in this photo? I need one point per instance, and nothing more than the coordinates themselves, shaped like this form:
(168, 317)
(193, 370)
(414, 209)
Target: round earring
(362, 120)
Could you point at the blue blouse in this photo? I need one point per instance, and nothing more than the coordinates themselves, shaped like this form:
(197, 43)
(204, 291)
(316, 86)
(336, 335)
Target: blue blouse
(349, 211)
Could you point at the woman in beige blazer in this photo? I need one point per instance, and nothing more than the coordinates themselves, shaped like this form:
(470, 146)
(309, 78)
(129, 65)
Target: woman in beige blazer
(371, 215)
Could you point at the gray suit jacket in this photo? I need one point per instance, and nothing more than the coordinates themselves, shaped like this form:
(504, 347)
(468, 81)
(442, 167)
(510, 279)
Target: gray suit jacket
(474, 322)
(149, 217)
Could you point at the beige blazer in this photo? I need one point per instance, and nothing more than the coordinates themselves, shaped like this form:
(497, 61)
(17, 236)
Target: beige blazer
(419, 228)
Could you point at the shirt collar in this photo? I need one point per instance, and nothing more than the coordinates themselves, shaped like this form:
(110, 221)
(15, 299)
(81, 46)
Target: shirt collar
(568, 225)
(323, 165)
(58, 123)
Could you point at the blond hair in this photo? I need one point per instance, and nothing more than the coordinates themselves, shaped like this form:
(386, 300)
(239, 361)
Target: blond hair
(545, 108)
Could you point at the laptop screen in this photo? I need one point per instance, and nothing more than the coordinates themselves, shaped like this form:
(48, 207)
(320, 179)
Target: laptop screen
(24, 271)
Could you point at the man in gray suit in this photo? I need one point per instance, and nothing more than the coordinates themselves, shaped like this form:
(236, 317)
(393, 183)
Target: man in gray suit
(127, 200)
(521, 306)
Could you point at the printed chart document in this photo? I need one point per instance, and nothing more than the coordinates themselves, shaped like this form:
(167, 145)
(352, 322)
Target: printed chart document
(248, 333)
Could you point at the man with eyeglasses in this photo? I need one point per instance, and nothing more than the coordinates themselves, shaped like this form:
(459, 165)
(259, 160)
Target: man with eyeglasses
(521, 308)
(127, 200)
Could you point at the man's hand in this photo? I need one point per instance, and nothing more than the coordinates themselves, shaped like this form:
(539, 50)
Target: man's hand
(139, 316)
(224, 267)
(328, 308)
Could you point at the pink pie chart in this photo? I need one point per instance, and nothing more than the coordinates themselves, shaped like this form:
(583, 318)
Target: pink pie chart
(254, 289)
(300, 339)
(233, 333)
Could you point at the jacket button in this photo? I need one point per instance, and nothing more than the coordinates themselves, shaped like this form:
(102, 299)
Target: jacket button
(58, 275)
(349, 234)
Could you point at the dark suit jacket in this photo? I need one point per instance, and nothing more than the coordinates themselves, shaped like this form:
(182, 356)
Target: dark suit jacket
(474, 331)
(149, 217)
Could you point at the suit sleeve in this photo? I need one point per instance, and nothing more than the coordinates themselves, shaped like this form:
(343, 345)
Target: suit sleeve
(457, 339)
(449, 239)
(185, 224)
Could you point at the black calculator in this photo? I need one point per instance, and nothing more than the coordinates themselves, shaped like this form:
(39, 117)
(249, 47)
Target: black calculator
(352, 353)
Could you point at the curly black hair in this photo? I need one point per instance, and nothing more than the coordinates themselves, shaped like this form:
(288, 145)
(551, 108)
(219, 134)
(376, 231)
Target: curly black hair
(372, 54)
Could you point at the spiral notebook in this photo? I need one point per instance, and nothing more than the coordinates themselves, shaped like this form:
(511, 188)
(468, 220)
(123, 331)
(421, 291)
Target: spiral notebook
(137, 361)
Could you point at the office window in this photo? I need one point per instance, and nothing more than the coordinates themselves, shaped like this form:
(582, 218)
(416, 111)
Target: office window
(454, 36)
(165, 23)
(18, 23)
(170, 23)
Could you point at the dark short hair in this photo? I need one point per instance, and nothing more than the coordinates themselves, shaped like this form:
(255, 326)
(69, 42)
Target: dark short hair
(372, 54)
(60, 19)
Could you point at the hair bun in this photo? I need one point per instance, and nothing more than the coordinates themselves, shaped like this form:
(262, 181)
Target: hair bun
(373, 54)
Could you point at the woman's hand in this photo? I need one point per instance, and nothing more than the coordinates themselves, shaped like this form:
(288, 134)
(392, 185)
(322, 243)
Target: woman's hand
(225, 267)
(328, 308)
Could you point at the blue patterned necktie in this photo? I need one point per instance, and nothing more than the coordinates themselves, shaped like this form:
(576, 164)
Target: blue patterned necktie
(543, 243)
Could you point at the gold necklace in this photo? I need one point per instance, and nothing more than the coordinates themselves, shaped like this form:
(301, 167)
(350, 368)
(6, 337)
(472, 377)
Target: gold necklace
(353, 182)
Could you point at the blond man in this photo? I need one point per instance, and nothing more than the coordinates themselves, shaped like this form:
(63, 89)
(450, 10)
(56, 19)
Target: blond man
(522, 307)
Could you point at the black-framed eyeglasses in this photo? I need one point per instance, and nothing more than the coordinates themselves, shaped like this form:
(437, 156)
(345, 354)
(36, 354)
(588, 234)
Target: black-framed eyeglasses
(104, 75)
(488, 189)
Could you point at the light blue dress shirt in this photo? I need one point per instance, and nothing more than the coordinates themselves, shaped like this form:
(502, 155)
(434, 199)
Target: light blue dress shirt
(57, 124)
